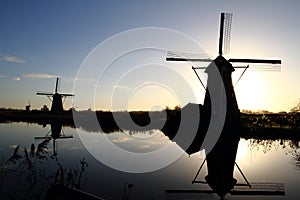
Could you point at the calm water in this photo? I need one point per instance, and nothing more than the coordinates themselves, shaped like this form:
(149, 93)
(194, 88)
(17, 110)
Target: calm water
(261, 161)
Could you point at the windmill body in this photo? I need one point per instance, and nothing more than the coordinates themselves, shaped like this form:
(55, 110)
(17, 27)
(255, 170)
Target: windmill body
(221, 159)
(221, 67)
(57, 105)
(57, 99)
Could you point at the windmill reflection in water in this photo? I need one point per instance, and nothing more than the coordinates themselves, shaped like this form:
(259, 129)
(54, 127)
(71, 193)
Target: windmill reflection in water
(56, 132)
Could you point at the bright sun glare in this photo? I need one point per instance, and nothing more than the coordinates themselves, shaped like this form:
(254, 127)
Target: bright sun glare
(250, 90)
(242, 149)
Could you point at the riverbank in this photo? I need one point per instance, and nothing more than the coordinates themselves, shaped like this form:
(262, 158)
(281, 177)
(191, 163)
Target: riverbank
(260, 126)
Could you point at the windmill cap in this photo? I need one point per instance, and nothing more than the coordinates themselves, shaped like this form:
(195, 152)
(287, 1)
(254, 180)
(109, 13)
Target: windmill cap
(221, 63)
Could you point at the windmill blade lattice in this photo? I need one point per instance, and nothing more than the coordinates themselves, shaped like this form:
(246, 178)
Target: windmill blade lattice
(179, 56)
(261, 68)
(227, 33)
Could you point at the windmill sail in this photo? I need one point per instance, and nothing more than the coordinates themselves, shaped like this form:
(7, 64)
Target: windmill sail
(178, 56)
(261, 67)
(225, 33)
(44, 93)
(56, 85)
(261, 61)
(66, 95)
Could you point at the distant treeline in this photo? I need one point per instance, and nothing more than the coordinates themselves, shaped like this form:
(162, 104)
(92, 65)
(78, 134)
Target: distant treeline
(252, 123)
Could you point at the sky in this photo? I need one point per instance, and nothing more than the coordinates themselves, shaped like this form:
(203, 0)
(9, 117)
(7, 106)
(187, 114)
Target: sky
(42, 40)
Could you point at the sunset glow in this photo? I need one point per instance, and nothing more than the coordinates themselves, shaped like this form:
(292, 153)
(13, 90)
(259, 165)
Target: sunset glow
(52, 45)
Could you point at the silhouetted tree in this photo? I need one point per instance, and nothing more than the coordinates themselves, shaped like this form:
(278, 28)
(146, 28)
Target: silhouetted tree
(177, 108)
(296, 108)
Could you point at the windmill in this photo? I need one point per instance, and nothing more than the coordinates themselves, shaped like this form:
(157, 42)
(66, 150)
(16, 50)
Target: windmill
(27, 107)
(221, 159)
(57, 103)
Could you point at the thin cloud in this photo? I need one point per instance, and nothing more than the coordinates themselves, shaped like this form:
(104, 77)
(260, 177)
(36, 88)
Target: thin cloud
(2, 76)
(16, 78)
(121, 87)
(13, 146)
(39, 76)
(120, 140)
(78, 79)
(9, 58)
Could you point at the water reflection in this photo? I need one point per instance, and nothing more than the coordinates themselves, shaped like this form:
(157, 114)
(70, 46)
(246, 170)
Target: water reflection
(31, 172)
(21, 180)
(290, 147)
(138, 141)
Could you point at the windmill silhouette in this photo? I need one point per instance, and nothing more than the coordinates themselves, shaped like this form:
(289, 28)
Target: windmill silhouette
(57, 103)
(221, 159)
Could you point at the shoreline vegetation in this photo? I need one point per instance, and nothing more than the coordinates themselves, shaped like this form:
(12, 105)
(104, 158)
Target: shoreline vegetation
(263, 125)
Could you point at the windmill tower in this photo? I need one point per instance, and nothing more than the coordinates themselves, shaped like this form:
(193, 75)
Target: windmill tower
(57, 103)
(221, 159)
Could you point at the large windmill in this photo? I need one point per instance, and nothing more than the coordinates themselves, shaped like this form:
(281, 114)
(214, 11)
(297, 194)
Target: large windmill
(56, 98)
(221, 159)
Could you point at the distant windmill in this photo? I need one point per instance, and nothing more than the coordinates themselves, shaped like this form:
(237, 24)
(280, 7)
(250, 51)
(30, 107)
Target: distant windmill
(27, 107)
(221, 159)
(57, 103)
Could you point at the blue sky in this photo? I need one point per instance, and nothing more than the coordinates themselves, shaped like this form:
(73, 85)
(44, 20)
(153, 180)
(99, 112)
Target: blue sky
(42, 40)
